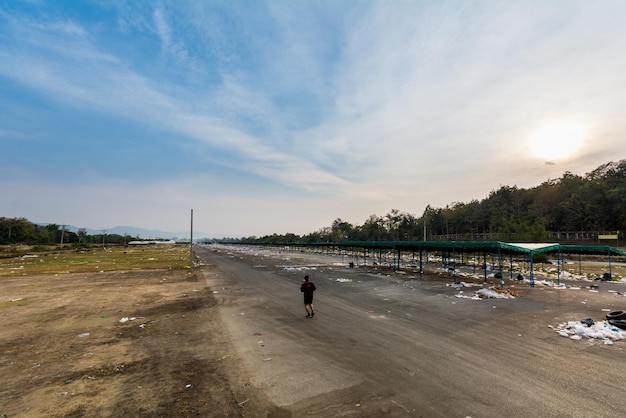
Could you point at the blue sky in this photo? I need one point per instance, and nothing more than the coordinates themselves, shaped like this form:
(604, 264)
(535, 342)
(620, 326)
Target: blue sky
(281, 116)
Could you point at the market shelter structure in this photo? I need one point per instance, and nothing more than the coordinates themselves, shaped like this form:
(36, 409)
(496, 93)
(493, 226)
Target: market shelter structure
(450, 251)
(501, 251)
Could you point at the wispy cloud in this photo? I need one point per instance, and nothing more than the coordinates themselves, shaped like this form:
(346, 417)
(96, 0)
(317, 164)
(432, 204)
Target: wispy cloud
(367, 104)
(83, 75)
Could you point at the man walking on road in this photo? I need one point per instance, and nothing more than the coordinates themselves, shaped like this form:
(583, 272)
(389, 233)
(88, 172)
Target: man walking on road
(308, 288)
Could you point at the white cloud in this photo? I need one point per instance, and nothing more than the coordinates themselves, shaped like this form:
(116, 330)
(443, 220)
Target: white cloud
(366, 106)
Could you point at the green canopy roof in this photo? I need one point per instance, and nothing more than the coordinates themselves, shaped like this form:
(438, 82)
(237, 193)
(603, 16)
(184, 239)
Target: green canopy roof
(591, 250)
(465, 247)
(486, 246)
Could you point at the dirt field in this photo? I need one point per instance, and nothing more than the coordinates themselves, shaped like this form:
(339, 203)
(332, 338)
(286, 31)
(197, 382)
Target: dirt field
(66, 352)
(154, 342)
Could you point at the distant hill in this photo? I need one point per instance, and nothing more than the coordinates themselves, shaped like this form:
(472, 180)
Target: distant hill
(140, 232)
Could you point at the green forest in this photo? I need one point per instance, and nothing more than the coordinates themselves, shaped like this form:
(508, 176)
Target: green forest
(572, 207)
(16, 231)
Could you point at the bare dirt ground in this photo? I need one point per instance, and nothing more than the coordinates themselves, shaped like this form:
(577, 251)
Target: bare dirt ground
(227, 341)
(65, 353)
(404, 345)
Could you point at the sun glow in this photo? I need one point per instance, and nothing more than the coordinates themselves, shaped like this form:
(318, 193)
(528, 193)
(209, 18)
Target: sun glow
(557, 140)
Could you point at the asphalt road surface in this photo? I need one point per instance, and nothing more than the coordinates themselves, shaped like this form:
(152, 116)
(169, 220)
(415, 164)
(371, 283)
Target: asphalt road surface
(387, 345)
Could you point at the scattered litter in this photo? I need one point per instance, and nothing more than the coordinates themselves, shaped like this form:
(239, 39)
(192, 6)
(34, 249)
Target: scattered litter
(15, 299)
(465, 284)
(83, 335)
(188, 385)
(341, 280)
(267, 359)
(489, 294)
(576, 330)
(126, 319)
(242, 403)
(142, 326)
(587, 321)
(460, 295)
(497, 293)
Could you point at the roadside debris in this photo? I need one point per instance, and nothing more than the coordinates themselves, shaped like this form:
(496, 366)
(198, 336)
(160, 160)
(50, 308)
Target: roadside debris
(126, 319)
(587, 328)
(493, 293)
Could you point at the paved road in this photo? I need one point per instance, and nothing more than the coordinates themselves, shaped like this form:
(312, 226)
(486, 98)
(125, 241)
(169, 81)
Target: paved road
(382, 345)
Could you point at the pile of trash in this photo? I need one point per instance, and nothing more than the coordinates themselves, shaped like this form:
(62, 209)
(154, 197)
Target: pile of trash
(491, 293)
(609, 330)
(510, 292)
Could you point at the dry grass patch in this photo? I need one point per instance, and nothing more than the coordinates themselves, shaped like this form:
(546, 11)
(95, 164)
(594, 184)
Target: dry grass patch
(96, 260)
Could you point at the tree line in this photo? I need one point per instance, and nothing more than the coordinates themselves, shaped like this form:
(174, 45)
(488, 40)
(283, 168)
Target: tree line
(22, 231)
(592, 204)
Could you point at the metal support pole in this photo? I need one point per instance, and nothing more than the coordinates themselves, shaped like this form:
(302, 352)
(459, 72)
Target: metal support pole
(421, 265)
(558, 267)
(191, 243)
(485, 265)
(532, 275)
(580, 265)
(454, 264)
(500, 267)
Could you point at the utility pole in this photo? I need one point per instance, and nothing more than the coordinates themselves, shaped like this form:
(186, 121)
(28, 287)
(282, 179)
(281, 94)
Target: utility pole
(191, 243)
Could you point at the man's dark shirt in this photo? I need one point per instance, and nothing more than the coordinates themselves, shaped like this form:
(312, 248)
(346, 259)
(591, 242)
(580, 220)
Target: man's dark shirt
(307, 288)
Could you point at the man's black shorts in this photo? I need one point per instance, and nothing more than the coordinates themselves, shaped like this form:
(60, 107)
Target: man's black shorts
(308, 299)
